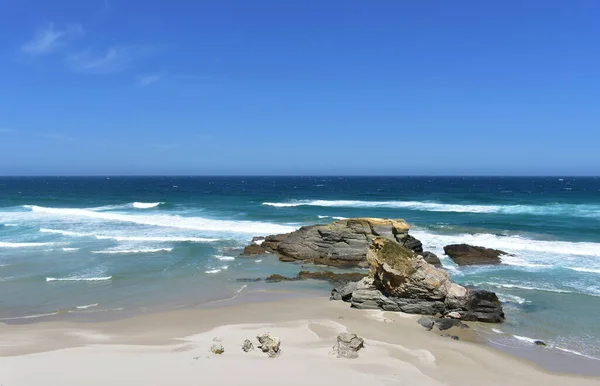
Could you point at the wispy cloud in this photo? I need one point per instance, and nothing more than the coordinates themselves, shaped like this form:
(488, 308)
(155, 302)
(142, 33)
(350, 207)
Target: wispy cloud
(48, 39)
(145, 80)
(115, 59)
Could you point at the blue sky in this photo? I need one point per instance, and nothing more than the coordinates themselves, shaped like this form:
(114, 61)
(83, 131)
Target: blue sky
(299, 87)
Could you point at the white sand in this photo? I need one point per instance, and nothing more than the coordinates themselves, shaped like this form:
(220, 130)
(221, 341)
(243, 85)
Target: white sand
(174, 349)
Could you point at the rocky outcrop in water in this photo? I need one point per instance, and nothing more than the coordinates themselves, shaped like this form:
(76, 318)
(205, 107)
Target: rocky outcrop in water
(400, 280)
(343, 243)
(464, 254)
(336, 278)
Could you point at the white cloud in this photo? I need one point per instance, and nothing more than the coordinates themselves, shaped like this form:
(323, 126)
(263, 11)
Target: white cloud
(49, 39)
(145, 80)
(115, 59)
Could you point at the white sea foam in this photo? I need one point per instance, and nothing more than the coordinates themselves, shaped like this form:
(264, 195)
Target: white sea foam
(525, 339)
(257, 261)
(86, 306)
(70, 249)
(510, 244)
(524, 287)
(7, 244)
(576, 353)
(339, 218)
(166, 220)
(259, 242)
(577, 210)
(588, 270)
(497, 331)
(225, 258)
(79, 278)
(30, 316)
(128, 251)
(217, 270)
(165, 239)
(146, 205)
(512, 298)
(11, 225)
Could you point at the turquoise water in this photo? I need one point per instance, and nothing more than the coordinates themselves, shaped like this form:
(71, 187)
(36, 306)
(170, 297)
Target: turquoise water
(91, 246)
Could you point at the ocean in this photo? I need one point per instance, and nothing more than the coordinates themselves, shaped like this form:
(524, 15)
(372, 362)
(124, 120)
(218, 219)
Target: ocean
(87, 248)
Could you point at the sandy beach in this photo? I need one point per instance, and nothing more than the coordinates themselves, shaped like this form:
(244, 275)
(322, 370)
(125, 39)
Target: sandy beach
(173, 348)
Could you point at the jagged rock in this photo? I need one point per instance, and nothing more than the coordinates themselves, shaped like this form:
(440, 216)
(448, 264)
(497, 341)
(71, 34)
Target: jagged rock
(454, 337)
(348, 345)
(464, 254)
(411, 243)
(275, 278)
(253, 250)
(540, 343)
(400, 281)
(343, 243)
(269, 344)
(343, 292)
(432, 259)
(247, 346)
(217, 348)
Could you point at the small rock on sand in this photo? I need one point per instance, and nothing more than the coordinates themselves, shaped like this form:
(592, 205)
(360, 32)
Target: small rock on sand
(269, 344)
(347, 345)
(217, 348)
(247, 346)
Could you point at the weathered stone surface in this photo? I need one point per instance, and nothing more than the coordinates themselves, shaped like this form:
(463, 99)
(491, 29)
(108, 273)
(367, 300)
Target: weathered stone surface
(431, 258)
(343, 243)
(247, 346)
(343, 292)
(464, 254)
(269, 344)
(348, 345)
(217, 348)
(253, 250)
(401, 281)
(441, 324)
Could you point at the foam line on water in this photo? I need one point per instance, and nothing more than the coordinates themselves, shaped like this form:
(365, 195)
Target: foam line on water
(511, 244)
(7, 244)
(554, 209)
(167, 220)
(166, 239)
(79, 278)
(130, 251)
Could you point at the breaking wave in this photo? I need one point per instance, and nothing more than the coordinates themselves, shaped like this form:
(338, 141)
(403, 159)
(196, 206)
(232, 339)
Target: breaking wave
(555, 209)
(79, 278)
(168, 220)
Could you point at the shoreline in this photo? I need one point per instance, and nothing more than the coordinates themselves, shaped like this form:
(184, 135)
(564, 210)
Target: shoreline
(399, 338)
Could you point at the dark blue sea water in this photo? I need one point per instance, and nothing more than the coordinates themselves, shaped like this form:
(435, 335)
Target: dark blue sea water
(91, 246)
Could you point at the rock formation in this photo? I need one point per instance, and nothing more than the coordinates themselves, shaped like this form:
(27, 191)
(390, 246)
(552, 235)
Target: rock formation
(402, 281)
(247, 346)
(269, 344)
(347, 345)
(336, 278)
(343, 243)
(464, 254)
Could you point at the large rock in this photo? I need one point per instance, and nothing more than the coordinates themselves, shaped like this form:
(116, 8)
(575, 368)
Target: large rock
(464, 254)
(342, 243)
(403, 281)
